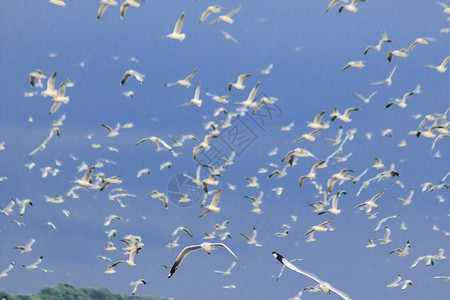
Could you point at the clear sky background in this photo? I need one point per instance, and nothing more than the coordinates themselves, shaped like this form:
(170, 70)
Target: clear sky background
(308, 48)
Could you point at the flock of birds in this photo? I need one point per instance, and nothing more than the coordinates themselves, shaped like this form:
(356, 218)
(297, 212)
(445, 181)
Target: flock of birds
(208, 177)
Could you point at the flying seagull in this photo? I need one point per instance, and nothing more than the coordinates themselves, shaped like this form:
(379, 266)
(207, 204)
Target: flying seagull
(207, 247)
(323, 286)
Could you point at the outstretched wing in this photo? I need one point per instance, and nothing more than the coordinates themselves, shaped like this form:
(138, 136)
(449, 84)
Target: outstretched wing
(180, 258)
(289, 265)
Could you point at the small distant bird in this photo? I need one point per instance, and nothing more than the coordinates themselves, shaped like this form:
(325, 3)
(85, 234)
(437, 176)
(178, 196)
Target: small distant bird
(181, 228)
(387, 81)
(4, 273)
(184, 82)
(228, 36)
(354, 64)
(446, 278)
(27, 247)
(442, 67)
(211, 9)
(228, 17)
(267, 70)
(112, 132)
(36, 75)
(160, 196)
(176, 34)
(321, 227)
(239, 83)
(108, 220)
(34, 265)
(228, 271)
(371, 203)
(196, 100)
(22, 205)
(132, 73)
(399, 53)
(58, 2)
(312, 173)
(207, 247)
(382, 221)
(402, 102)
(384, 39)
(408, 199)
(343, 117)
(213, 205)
(402, 252)
(386, 239)
(371, 244)
(251, 240)
(366, 100)
(9, 208)
(50, 90)
(135, 285)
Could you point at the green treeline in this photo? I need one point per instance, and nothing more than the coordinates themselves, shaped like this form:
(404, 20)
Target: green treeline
(68, 292)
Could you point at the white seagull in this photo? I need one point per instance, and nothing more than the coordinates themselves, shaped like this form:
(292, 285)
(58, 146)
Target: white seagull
(135, 285)
(36, 75)
(228, 17)
(211, 9)
(33, 265)
(321, 227)
(388, 80)
(184, 82)
(4, 273)
(408, 199)
(323, 286)
(442, 67)
(27, 247)
(239, 83)
(132, 73)
(50, 90)
(384, 39)
(176, 34)
(366, 100)
(196, 100)
(228, 271)
(207, 247)
(354, 64)
(213, 205)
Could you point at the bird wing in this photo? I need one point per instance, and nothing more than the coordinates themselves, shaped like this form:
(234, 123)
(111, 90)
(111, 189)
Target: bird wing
(215, 199)
(242, 77)
(107, 127)
(204, 213)
(252, 94)
(445, 62)
(374, 198)
(180, 258)
(235, 11)
(179, 24)
(125, 77)
(224, 246)
(51, 82)
(339, 292)
(289, 265)
(191, 75)
(197, 92)
(205, 14)
(318, 118)
(101, 10)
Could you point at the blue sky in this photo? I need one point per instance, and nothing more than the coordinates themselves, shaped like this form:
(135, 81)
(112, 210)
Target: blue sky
(308, 48)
